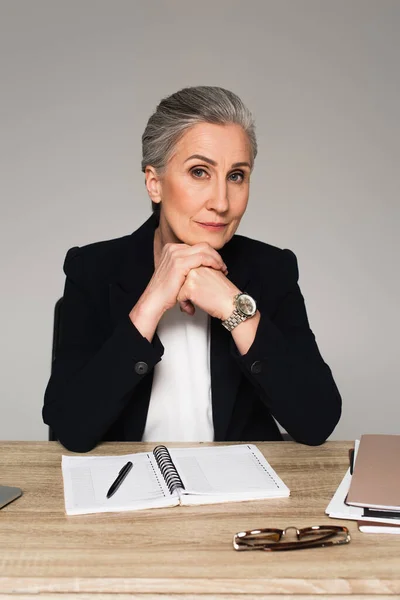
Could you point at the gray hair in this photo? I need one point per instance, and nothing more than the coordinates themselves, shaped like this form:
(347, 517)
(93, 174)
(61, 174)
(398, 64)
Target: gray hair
(184, 109)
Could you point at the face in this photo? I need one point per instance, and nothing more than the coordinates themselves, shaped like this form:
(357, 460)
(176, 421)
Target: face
(205, 188)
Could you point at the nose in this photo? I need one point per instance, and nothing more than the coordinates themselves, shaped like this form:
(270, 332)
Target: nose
(218, 199)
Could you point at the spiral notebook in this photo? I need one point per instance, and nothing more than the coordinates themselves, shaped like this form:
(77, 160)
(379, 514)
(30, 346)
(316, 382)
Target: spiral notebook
(169, 477)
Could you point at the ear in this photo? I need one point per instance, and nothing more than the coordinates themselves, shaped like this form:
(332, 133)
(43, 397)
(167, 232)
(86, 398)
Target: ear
(153, 184)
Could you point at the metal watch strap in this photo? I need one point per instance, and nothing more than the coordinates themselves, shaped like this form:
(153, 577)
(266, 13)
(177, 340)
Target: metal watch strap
(235, 319)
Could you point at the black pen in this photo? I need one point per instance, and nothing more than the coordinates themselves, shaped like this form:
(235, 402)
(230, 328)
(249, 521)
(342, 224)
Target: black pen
(121, 476)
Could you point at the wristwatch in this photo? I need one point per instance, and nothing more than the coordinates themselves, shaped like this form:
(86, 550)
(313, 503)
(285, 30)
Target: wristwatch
(245, 308)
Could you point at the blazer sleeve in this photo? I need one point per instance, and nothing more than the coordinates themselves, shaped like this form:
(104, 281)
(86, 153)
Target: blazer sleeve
(286, 367)
(93, 375)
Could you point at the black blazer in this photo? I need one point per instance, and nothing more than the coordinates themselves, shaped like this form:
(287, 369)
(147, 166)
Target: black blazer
(102, 375)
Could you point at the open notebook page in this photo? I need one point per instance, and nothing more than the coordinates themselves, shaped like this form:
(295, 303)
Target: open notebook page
(88, 479)
(226, 473)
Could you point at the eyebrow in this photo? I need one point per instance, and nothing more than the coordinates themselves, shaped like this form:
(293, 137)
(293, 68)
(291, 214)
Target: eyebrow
(214, 164)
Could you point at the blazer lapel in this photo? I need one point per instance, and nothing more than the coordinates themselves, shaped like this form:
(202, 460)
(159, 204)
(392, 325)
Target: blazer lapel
(225, 372)
(135, 271)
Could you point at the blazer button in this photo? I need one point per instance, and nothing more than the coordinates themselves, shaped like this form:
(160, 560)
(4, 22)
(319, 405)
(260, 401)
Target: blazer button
(141, 368)
(256, 367)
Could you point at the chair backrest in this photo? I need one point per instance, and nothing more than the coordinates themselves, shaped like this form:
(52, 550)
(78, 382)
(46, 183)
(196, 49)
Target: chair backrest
(56, 345)
(56, 329)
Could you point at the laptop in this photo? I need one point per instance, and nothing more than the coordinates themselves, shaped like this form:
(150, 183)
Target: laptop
(8, 494)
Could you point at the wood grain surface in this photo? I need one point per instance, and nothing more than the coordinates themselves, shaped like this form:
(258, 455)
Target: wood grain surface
(183, 552)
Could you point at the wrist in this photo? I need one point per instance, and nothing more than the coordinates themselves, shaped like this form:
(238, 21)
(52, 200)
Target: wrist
(148, 307)
(145, 317)
(244, 308)
(229, 304)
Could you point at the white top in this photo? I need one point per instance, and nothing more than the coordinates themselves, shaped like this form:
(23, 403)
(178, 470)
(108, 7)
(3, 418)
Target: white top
(180, 403)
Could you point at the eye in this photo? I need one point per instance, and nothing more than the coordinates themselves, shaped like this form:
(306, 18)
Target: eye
(198, 172)
(237, 177)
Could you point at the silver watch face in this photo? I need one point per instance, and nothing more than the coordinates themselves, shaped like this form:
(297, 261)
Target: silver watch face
(246, 305)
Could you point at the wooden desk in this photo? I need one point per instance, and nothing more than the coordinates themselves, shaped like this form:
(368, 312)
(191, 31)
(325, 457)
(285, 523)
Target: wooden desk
(183, 552)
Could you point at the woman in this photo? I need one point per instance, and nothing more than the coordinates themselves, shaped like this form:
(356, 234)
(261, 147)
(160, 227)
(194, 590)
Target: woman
(183, 330)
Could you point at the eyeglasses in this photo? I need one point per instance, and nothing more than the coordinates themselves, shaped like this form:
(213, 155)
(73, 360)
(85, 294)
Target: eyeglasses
(270, 540)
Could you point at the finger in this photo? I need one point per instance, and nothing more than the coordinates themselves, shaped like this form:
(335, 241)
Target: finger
(204, 251)
(203, 259)
(187, 307)
(206, 248)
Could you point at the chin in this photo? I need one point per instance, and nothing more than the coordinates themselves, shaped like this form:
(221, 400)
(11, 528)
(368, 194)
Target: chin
(217, 245)
(215, 242)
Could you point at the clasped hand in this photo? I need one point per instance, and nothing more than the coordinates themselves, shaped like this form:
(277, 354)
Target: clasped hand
(193, 276)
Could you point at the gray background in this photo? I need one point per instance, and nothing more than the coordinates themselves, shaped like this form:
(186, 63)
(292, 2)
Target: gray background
(79, 80)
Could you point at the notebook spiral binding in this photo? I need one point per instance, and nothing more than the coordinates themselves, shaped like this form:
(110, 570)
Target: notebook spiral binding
(167, 468)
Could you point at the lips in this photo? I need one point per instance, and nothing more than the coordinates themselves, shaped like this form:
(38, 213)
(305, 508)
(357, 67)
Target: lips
(212, 225)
